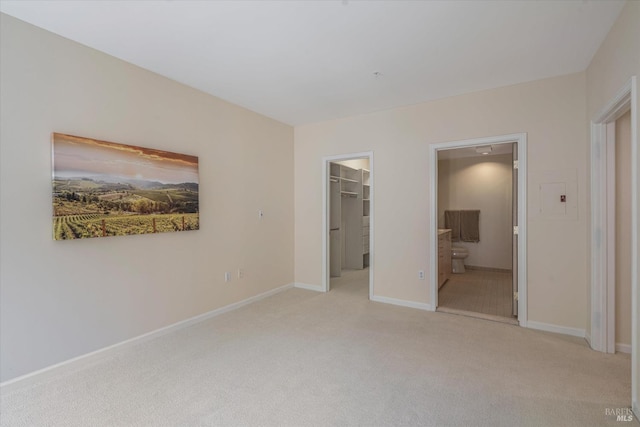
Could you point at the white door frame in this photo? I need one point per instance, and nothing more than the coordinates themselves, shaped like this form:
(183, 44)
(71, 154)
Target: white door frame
(326, 277)
(601, 335)
(521, 139)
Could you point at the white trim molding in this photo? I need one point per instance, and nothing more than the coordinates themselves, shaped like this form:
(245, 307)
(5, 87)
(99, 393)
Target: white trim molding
(308, 287)
(402, 303)
(602, 309)
(547, 327)
(602, 220)
(635, 255)
(79, 362)
(623, 348)
(521, 140)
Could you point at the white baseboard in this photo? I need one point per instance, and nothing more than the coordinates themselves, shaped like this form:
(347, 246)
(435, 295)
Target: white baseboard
(79, 362)
(575, 332)
(587, 337)
(402, 303)
(316, 288)
(623, 348)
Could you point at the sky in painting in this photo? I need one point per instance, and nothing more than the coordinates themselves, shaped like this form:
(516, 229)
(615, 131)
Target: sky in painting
(75, 156)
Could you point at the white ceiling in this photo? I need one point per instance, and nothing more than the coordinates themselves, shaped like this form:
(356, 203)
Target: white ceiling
(308, 61)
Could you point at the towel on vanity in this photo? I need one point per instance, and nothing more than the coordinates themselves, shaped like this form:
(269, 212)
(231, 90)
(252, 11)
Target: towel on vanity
(470, 226)
(452, 221)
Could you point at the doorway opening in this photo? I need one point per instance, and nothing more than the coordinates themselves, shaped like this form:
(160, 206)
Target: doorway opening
(612, 200)
(621, 232)
(475, 232)
(602, 332)
(348, 223)
(478, 205)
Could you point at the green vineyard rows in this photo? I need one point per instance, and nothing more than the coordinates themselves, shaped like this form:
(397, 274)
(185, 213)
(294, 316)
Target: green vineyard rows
(91, 225)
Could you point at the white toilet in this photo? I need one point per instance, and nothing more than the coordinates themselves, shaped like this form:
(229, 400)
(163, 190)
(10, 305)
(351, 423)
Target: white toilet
(458, 255)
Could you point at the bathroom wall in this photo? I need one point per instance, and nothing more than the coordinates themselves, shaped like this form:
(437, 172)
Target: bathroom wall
(623, 230)
(482, 183)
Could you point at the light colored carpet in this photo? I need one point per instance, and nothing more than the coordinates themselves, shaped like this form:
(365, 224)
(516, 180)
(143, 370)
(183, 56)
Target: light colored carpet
(302, 358)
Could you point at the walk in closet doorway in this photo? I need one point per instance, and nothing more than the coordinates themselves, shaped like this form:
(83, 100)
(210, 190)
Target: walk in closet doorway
(348, 223)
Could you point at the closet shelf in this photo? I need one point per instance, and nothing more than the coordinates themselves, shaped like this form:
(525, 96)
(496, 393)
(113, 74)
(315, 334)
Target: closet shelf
(349, 194)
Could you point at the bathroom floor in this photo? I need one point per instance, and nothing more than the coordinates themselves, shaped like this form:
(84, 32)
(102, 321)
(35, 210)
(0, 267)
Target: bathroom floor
(486, 292)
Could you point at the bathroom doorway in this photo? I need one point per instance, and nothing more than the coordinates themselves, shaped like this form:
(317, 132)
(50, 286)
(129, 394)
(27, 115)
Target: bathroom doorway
(477, 264)
(348, 224)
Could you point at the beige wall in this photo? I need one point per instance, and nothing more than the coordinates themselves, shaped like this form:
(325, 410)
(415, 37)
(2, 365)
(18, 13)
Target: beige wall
(615, 62)
(551, 111)
(482, 183)
(62, 299)
(623, 229)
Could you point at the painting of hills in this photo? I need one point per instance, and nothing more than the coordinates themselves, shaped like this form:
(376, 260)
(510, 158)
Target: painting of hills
(104, 189)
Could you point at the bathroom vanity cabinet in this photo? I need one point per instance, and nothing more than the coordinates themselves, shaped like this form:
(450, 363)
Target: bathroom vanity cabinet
(444, 256)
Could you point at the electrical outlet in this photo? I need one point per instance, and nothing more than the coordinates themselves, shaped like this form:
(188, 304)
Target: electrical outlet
(421, 275)
(227, 276)
(240, 273)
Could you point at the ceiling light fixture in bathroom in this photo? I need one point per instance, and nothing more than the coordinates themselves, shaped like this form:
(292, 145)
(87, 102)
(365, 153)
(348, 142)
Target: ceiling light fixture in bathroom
(485, 149)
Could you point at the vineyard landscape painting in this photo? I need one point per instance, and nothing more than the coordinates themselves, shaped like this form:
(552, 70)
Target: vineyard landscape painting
(104, 189)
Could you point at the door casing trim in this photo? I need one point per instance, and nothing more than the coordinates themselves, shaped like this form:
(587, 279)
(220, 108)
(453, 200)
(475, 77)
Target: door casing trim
(325, 285)
(521, 140)
(602, 317)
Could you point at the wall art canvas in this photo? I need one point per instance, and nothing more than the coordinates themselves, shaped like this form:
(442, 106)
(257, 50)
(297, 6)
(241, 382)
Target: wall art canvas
(104, 189)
